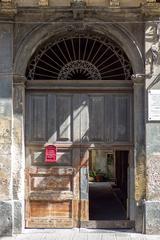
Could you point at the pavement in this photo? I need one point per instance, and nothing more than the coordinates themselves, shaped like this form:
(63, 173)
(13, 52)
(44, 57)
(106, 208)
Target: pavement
(80, 234)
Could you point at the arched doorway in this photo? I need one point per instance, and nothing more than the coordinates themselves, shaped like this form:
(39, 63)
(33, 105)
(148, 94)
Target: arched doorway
(79, 98)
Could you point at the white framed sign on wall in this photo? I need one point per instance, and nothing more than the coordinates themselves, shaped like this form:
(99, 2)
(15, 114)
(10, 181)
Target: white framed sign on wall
(154, 105)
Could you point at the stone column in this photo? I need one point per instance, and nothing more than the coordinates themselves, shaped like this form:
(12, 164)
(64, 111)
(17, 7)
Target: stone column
(6, 78)
(18, 152)
(139, 148)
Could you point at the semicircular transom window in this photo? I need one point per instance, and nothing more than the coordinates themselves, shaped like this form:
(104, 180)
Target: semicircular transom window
(80, 58)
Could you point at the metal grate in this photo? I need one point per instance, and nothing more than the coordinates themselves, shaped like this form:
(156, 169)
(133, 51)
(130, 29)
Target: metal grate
(80, 58)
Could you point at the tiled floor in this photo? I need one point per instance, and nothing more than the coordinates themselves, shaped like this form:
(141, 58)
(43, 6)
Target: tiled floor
(81, 234)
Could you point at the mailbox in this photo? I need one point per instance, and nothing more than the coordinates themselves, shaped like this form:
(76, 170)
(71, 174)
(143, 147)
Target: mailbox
(50, 154)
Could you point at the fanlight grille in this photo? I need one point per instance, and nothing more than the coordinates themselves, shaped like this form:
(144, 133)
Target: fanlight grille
(80, 58)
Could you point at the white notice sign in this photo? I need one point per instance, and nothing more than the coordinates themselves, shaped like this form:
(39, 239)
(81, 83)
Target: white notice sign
(154, 105)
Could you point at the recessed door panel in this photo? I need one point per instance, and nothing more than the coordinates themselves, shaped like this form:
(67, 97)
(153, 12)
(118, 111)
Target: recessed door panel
(73, 122)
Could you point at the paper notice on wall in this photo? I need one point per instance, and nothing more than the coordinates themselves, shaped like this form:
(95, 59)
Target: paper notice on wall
(154, 105)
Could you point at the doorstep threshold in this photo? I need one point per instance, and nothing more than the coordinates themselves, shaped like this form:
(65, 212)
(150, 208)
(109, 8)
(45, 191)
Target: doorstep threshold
(108, 224)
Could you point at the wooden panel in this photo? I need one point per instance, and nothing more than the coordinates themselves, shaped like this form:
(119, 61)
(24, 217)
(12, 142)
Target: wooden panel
(84, 172)
(51, 196)
(64, 157)
(77, 108)
(28, 119)
(60, 171)
(49, 223)
(96, 118)
(84, 210)
(51, 209)
(122, 118)
(108, 126)
(64, 113)
(84, 118)
(38, 120)
(54, 183)
(51, 118)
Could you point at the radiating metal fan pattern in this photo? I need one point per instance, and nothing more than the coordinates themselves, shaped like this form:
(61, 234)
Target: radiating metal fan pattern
(80, 58)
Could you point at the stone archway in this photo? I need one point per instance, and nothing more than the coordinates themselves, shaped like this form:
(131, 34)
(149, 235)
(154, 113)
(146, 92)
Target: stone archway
(34, 40)
(42, 33)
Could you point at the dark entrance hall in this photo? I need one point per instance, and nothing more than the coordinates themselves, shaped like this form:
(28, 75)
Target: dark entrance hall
(104, 203)
(108, 196)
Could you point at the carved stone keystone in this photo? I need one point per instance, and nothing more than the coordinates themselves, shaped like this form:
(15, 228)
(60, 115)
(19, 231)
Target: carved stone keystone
(78, 3)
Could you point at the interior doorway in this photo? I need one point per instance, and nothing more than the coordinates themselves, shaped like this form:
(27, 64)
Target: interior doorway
(108, 185)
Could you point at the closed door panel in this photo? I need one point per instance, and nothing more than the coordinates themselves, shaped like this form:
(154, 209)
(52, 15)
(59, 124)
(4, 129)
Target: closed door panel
(51, 190)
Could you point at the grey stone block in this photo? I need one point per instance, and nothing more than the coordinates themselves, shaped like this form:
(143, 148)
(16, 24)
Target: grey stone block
(6, 45)
(152, 217)
(5, 219)
(17, 217)
(6, 86)
(5, 176)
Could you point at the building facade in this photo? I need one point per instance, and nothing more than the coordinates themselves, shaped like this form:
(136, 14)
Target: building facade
(83, 78)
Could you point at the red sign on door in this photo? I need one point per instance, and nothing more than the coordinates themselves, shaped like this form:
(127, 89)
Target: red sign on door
(50, 154)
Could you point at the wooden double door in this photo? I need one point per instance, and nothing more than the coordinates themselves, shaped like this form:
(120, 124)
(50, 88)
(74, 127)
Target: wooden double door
(57, 193)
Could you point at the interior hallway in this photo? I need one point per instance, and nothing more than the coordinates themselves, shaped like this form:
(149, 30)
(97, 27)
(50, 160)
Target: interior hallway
(104, 204)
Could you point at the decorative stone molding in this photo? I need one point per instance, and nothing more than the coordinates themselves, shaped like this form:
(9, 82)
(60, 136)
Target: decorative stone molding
(138, 78)
(7, 7)
(6, 3)
(19, 80)
(155, 49)
(114, 3)
(152, 4)
(78, 3)
(43, 3)
(78, 7)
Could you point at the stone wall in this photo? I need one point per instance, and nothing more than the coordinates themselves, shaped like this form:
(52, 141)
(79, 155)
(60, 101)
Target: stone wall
(152, 204)
(34, 3)
(6, 76)
(26, 36)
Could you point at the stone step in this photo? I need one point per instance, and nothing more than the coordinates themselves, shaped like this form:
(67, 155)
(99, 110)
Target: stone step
(115, 224)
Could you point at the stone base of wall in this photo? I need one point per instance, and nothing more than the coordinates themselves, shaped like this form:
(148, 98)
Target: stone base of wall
(152, 217)
(5, 218)
(18, 218)
(10, 218)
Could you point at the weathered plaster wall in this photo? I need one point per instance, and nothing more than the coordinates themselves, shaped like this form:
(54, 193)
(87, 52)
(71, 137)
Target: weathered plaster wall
(6, 37)
(18, 153)
(152, 204)
(139, 149)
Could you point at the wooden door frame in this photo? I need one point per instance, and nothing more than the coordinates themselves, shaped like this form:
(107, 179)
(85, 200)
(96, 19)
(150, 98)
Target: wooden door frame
(94, 86)
(86, 223)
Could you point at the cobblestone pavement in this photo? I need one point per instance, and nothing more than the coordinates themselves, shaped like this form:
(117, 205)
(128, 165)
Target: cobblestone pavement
(80, 235)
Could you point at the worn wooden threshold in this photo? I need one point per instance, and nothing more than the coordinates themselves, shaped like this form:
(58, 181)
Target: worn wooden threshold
(109, 224)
